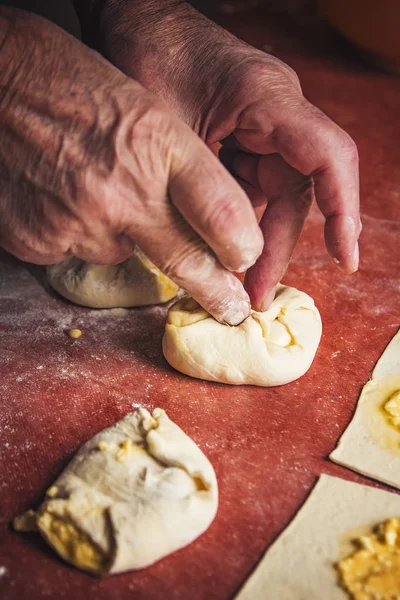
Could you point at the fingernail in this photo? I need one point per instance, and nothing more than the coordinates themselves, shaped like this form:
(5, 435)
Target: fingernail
(246, 264)
(266, 303)
(355, 257)
(350, 224)
(236, 313)
(349, 265)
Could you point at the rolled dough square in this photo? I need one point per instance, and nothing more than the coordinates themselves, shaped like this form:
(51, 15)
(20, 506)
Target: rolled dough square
(371, 445)
(300, 563)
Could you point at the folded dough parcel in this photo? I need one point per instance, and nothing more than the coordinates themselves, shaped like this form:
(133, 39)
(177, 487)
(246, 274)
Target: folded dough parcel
(134, 493)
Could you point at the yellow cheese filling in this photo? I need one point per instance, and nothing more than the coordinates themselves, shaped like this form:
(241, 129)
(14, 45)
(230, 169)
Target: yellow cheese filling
(72, 544)
(186, 312)
(372, 572)
(392, 409)
(26, 522)
(165, 287)
(125, 448)
(168, 289)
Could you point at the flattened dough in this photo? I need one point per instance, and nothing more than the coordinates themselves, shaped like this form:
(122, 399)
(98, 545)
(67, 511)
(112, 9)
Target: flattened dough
(132, 494)
(269, 348)
(370, 444)
(300, 563)
(134, 282)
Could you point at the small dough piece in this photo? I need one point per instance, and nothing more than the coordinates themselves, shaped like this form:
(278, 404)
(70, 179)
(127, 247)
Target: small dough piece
(134, 282)
(302, 563)
(26, 522)
(269, 348)
(132, 494)
(371, 443)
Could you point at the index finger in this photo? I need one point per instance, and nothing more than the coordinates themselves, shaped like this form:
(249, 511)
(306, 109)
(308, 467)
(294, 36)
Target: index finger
(314, 145)
(290, 195)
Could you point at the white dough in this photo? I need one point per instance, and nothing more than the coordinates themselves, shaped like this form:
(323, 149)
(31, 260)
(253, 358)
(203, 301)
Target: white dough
(132, 494)
(370, 445)
(269, 348)
(300, 563)
(134, 282)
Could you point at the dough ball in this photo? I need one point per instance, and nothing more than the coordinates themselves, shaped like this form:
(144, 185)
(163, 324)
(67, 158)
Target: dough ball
(132, 494)
(134, 282)
(269, 348)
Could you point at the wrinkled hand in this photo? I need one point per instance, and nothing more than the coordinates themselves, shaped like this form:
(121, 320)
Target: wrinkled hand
(92, 163)
(280, 148)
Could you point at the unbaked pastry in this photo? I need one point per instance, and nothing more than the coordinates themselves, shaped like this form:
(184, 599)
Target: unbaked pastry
(269, 348)
(132, 494)
(300, 564)
(371, 443)
(134, 282)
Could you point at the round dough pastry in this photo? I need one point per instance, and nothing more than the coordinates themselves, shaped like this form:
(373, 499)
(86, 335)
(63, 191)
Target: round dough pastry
(134, 282)
(132, 494)
(269, 348)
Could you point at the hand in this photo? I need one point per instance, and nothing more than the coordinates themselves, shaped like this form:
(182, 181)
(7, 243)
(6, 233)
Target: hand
(92, 163)
(280, 148)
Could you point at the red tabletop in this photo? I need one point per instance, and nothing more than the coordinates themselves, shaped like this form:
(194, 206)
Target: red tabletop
(267, 445)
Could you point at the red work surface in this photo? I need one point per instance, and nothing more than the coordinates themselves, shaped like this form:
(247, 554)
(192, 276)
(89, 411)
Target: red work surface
(267, 445)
